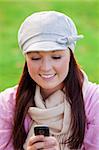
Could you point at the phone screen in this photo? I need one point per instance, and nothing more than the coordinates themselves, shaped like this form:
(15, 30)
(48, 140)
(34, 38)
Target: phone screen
(41, 130)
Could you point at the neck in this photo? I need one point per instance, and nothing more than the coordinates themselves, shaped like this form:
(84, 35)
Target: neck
(47, 92)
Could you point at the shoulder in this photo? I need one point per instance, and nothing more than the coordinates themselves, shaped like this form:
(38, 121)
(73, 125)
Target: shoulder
(91, 139)
(91, 100)
(92, 93)
(8, 95)
(7, 106)
(7, 102)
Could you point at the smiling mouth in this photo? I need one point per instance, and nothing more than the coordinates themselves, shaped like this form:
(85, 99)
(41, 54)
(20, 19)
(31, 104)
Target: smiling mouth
(47, 76)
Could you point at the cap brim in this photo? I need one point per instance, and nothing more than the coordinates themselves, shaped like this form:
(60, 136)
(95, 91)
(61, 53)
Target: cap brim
(44, 46)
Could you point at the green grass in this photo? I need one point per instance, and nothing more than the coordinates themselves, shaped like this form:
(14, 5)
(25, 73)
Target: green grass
(85, 15)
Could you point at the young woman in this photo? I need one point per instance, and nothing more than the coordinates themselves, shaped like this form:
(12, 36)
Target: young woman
(53, 91)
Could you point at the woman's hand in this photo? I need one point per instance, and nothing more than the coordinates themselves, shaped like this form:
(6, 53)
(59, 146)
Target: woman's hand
(44, 143)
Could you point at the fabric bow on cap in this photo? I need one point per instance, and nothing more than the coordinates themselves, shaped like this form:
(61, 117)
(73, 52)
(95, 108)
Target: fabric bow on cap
(70, 39)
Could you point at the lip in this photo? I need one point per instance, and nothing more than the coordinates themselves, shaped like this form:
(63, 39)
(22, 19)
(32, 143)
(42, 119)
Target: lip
(47, 76)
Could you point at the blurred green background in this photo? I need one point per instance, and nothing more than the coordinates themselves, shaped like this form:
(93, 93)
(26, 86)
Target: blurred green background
(84, 13)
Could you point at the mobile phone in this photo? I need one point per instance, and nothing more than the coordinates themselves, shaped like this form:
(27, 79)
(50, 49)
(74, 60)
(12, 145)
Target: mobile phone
(41, 130)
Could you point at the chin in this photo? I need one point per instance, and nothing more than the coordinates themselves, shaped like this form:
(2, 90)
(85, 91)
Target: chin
(50, 86)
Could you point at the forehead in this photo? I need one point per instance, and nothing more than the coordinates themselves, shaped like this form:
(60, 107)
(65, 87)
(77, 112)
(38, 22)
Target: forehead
(48, 52)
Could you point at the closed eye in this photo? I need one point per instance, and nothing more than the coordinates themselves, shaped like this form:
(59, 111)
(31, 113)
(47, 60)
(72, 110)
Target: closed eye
(56, 57)
(38, 58)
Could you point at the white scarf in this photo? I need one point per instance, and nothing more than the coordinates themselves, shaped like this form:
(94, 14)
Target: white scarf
(54, 112)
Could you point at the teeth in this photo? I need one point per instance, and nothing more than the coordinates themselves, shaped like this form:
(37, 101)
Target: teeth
(47, 76)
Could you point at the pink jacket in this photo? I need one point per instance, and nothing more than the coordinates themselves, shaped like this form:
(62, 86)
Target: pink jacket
(91, 98)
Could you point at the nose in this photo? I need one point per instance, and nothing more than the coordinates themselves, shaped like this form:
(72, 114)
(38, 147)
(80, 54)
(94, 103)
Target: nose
(46, 65)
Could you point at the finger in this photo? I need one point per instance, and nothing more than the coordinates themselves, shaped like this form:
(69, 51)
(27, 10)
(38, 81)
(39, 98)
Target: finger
(35, 139)
(53, 148)
(49, 144)
(51, 139)
(37, 146)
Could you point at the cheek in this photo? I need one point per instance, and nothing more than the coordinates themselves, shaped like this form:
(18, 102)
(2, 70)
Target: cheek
(63, 69)
(32, 69)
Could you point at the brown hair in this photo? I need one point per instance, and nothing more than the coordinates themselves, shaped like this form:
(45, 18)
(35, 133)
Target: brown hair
(25, 99)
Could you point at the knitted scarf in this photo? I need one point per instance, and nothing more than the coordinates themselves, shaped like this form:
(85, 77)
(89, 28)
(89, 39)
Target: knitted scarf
(54, 112)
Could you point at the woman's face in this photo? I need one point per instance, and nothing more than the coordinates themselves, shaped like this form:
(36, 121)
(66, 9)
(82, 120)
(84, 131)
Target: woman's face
(48, 69)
